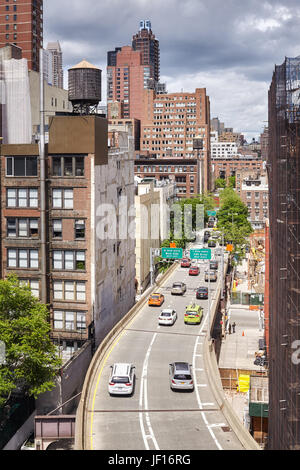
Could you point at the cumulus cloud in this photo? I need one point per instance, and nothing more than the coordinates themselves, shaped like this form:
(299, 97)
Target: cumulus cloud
(228, 47)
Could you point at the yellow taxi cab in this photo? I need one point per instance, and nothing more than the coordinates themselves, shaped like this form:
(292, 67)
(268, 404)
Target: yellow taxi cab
(156, 299)
(193, 314)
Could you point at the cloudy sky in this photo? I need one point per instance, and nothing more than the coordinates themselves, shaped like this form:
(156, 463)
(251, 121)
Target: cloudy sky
(229, 47)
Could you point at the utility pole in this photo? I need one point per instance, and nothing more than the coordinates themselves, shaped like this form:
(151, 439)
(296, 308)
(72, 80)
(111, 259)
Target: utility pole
(208, 305)
(43, 185)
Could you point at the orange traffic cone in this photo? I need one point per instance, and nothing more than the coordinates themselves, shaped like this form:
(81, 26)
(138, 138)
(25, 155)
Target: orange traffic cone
(243, 334)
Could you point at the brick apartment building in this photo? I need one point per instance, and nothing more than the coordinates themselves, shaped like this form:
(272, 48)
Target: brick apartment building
(78, 174)
(21, 24)
(226, 167)
(171, 124)
(254, 192)
(183, 172)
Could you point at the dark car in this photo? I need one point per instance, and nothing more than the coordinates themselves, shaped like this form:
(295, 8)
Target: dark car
(206, 236)
(213, 265)
(211, 243)
(202, 293)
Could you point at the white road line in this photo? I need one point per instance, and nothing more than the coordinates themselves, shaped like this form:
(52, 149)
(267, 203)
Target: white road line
(144, 398)
(197, 391)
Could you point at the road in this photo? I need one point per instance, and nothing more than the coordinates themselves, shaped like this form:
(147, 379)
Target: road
(154, 417)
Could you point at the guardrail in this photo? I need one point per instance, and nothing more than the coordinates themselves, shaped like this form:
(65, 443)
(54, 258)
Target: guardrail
(81, 416)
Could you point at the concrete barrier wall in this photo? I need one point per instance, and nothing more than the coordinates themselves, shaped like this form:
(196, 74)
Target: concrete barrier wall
(81, 416)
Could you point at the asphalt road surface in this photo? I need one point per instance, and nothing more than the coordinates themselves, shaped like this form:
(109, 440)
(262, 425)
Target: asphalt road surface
(155, 417)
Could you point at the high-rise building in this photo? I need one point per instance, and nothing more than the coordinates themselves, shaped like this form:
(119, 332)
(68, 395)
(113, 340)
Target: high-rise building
(130, 70)
(56, 71)
(284, 262)
(172, 123)
(146, 42)
(22, 25)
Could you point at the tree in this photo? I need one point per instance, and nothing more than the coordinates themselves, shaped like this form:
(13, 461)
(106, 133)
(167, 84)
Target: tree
(220, 183)
(233, 220)
(31, 359)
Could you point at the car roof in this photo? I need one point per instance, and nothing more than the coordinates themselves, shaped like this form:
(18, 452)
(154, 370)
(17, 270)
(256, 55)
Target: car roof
(155, 293)
(167, 310)
(203, 288)
(121, 368)
(193, 307)
(181, 366)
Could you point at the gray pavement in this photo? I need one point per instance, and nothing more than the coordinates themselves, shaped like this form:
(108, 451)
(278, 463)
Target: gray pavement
(155, 417)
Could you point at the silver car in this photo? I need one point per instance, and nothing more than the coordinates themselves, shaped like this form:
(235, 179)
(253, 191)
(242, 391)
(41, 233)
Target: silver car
(210, 275)
(178, 288)
(181, 376)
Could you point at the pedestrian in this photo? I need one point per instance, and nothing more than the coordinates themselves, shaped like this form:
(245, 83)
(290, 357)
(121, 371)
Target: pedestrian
(229, 328)
(233, 327)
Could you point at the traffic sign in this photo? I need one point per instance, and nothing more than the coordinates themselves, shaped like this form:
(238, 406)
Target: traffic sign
(200, 254)
(229, 247)
(172, 253)
(211, 213)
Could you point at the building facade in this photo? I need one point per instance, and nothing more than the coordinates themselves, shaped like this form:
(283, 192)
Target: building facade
(171, 124)
(227, 167)
(284, 269)
(21, 24)
(56, 74)
(80, 179)
(254, 193)
(183, 172)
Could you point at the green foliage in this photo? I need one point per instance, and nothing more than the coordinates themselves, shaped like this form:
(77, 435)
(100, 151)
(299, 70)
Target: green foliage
(232, 220)
(231, 183)
(220, 183)
(31, 361)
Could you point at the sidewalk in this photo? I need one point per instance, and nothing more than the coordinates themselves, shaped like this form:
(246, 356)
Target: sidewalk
(238, 349)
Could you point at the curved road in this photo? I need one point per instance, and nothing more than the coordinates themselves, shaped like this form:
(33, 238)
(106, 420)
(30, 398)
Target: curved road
(154, 417)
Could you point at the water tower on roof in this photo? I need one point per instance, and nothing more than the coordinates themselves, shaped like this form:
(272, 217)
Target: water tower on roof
(84, 87)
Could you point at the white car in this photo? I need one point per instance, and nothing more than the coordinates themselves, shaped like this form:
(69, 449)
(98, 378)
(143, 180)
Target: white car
(167, 317)
(122, 379)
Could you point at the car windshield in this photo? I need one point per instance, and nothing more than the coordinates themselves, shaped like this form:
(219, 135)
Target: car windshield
(182, 377)
(192, 313)
(202, 289)
(177, 285)
(154, 296)
(120, 380)
(166, 314)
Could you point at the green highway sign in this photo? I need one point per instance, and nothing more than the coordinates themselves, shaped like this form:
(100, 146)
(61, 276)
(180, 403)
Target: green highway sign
(200, 254)
(212, 213)
(172, 253)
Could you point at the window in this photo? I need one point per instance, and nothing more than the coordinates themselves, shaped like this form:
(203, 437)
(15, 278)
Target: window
(21, 166)
(69, 260)
(62, 199)
(68, 320)
(28, 228)
(22, 197)
(34, 286)
(69, 290)
(79, 229)
(22, 258)
(68, 166)
(57, 228)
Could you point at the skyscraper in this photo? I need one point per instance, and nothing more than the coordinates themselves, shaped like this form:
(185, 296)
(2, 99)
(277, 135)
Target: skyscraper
(130, 70)
(22, 25)
(146, 42)
(56, 72)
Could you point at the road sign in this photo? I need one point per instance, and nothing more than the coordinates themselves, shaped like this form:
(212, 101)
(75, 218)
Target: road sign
(172, 253)
(200, 254)
(211, 213)
(172, 245)
(229, 247)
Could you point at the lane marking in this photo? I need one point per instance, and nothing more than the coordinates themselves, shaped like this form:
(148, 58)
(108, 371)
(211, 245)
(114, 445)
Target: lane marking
(144, 398)
(197, 391)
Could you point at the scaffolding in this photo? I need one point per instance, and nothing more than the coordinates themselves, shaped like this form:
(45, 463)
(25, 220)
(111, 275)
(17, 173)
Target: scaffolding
(284, 189)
